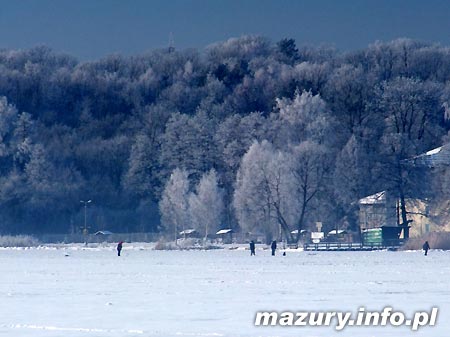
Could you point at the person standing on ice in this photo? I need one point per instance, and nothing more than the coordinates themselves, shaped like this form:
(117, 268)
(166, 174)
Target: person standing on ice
(274, 247)
(426, 247)
(119, 248)
(252, 248)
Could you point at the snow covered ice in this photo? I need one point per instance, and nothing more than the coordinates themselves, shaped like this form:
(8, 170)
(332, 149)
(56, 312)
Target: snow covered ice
(74, 291)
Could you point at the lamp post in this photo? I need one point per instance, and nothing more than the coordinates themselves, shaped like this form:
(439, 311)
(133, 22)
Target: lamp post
(85, 229)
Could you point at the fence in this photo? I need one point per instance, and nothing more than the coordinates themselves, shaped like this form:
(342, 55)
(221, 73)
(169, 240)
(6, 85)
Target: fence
(92, 238)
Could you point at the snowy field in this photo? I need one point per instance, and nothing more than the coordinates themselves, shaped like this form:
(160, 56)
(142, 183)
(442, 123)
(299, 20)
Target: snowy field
(92, 292)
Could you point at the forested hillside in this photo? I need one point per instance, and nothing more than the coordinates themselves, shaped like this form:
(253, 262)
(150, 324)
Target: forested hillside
(246, 133)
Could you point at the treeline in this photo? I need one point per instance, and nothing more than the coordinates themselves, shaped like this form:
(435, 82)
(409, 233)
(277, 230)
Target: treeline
(274, 135)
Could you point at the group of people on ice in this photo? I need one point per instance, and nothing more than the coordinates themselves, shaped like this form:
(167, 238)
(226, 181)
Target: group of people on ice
(273, 247)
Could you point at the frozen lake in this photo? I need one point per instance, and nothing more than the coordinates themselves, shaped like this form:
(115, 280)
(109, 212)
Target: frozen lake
(92, 292)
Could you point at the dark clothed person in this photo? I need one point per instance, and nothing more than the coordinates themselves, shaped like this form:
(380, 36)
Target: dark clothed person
(274, 247)
(252, 248)
(426, 247)
(119, 248)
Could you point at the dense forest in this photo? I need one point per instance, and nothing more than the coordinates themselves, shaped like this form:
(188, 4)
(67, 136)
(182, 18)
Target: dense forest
(246, 133)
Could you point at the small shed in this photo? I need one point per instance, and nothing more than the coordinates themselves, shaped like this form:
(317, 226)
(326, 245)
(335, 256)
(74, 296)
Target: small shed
(303, 234)
(382, 236)
(295, 231)
(391, 234)
(103, 233)
(337, 232)
(189, 233)
(225, 235)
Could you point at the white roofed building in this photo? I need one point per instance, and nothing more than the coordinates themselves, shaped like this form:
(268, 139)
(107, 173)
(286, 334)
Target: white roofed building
(377, 210)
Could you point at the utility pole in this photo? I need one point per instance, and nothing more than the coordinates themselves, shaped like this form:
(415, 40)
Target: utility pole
(85, 229)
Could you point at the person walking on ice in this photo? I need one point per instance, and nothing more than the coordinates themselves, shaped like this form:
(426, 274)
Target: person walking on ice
(274, 247)
(252, 248)
(426, 247)
(119, 248)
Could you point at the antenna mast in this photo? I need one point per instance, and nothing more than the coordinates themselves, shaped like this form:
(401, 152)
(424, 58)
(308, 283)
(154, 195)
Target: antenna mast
(171, 43)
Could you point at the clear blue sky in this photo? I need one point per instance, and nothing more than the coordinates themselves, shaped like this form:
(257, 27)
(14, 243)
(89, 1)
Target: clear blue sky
(90, 29)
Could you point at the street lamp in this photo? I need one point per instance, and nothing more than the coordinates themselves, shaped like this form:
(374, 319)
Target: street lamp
(85, 230)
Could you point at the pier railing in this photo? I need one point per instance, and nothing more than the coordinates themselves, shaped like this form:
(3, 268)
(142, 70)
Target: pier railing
(350, 246)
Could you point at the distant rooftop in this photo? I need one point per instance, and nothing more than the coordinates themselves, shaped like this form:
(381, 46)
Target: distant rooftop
(103, 233)
(224, 231)
(437, 157)
(377, 198)
(188, 231)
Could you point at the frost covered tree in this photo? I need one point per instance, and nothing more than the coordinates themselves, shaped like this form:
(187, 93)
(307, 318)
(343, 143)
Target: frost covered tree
(287, 50)
(188, 142)
(311, 76)
(24, 134)
(354, 175)
(264, 197)
(310, 167)
(412, 111)
(206, 205)
(50, 185)
(174, 203)
(140, 176)
(235, 135)
(122, 124)
(275, 189)
(348, 92)
(8, 119)
(302, 118)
